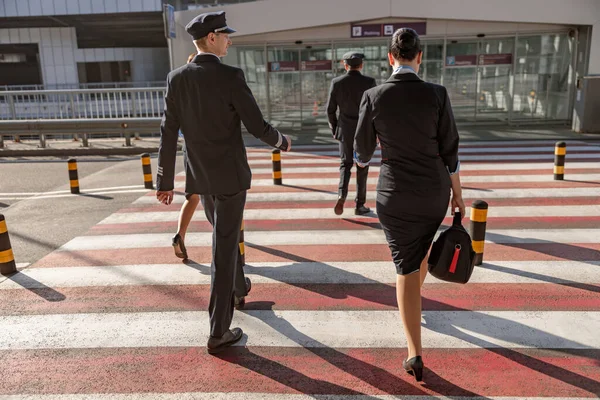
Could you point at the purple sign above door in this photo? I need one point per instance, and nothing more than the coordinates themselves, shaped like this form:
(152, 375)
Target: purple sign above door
(383, 30)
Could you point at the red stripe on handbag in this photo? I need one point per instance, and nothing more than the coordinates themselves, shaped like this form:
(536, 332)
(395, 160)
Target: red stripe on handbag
(455, 259)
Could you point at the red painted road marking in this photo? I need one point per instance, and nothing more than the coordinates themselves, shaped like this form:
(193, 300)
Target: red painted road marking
(256, 255)
(373, 371)
(307, 297)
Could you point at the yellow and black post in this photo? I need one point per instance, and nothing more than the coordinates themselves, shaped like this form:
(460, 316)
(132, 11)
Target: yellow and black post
(7, 259)
(276, 158)
(147, 170)
(479, 210)
(242, 247)
(560, 151)
(73, 178)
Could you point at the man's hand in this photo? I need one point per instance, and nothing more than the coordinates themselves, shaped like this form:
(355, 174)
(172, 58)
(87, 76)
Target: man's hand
(165, 198)
(289, 142)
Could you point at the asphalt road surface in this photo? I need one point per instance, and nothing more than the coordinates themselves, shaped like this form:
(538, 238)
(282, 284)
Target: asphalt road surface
(41, 213)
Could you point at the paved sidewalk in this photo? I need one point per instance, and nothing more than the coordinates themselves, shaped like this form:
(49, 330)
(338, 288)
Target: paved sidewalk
(116, 146)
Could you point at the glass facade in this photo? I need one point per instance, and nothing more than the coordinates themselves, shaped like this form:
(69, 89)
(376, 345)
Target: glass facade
(489, 80)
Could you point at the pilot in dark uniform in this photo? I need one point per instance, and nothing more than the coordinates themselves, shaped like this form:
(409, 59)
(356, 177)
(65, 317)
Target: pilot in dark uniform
(346, 92)
(207, 99)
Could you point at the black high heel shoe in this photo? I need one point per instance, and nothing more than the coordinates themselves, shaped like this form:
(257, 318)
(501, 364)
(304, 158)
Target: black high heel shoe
(414, 367)
(179, 247)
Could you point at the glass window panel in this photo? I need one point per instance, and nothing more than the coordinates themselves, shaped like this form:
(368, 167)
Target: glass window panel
(459, 49)
(543, 77)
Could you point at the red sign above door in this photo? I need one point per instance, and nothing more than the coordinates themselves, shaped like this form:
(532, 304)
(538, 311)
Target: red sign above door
(318, 65)
(495, 59)
(469, 60)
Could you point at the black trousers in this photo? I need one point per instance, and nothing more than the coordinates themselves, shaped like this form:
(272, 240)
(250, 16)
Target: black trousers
(225, 214)
(347, 157)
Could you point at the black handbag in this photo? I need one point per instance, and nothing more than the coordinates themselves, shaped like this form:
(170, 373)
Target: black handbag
(452, 257)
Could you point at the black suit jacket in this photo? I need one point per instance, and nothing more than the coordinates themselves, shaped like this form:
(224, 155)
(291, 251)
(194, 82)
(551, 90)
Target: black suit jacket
(414, 123)
(345, 92)
(206, 99)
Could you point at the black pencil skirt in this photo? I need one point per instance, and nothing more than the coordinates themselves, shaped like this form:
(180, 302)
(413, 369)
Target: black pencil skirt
(410, 220)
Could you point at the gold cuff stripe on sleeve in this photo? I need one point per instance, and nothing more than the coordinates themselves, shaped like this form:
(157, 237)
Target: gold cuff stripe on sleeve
(478, 246)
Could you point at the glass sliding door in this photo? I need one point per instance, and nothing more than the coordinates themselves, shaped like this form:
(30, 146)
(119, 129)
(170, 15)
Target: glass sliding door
(543, 77)
(285, 91)
(494, 72)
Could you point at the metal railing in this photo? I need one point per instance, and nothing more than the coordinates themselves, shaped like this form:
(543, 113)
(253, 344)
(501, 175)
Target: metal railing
(82, 104)
(75, 86)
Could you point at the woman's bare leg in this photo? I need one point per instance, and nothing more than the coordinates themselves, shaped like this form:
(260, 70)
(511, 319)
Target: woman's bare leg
(186, 214)
(408, 294)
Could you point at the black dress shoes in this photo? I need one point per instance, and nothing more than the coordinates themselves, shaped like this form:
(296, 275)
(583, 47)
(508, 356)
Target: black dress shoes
(179, 247)
(339, 206)
(361, 210)
(240, 302)
(414, 367)
(216, 345)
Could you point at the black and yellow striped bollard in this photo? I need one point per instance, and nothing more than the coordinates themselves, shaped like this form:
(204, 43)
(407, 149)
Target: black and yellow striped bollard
(242, 247)
(73, 177)
(276, 158)
(147, 170)
(479, 210)
(560, 151)
(7, 258)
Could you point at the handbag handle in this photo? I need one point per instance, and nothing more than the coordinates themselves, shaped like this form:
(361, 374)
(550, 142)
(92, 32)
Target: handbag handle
(457, 219)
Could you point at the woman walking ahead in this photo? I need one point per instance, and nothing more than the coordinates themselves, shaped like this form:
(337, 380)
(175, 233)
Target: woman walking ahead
(414, 124)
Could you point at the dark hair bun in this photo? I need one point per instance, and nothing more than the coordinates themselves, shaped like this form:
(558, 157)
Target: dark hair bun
(405, 44)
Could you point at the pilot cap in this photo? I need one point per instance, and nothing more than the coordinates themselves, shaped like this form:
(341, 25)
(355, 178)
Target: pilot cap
(353, 59)
(206, 23)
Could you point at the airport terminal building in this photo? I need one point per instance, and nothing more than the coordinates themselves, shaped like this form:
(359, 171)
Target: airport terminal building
(506, 62)
(503, 62)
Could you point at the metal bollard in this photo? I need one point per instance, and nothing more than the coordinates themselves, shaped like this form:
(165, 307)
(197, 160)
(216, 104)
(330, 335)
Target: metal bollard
(73, 177)
(479, 210)
(560, 151)
(84, 140)
(7, 258)
(276, 158)
(242, 247)
(1, 142)
(147, 170)
(42, 141)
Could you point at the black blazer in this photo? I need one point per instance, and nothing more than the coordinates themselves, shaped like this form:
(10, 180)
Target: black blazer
(206, 99)
(345, 92)
(414, 123)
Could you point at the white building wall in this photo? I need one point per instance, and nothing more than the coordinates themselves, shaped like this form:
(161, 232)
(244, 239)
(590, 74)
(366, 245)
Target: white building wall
(59, 55)
(147, 64)
(57, 51)
(30, 8)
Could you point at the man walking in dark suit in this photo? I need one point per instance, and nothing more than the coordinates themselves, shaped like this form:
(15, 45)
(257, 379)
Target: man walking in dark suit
(346, 92)
(206, 100)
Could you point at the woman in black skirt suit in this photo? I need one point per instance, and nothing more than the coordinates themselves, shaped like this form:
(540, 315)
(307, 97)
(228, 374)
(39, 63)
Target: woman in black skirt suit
(414, 124)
